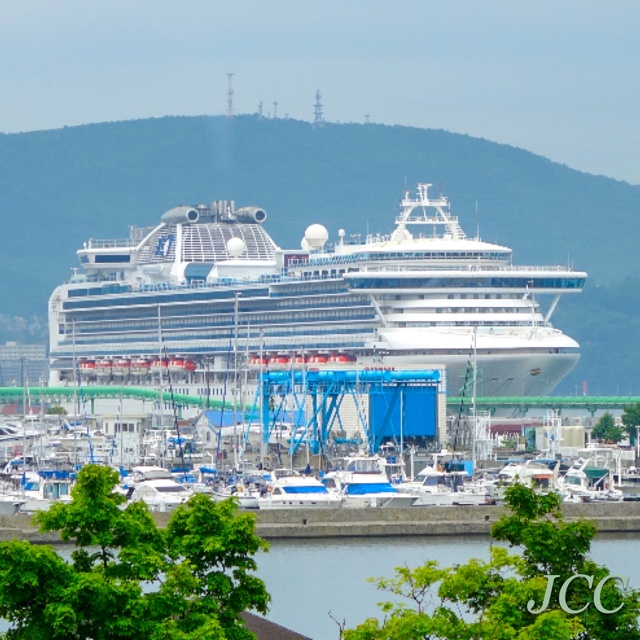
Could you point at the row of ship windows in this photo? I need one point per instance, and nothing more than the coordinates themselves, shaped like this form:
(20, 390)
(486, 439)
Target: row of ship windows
(488, 282)
(451, 296)
(463, 310)
(406, 255)
(213, 322)
(453, 323)
(185, 336)
(244, 309)
(178, 294)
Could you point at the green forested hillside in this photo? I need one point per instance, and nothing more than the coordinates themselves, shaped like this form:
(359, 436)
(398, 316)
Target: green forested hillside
(59, 188)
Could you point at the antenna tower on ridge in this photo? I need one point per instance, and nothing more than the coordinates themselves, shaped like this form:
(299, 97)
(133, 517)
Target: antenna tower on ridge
(230, 95)
(318, 119)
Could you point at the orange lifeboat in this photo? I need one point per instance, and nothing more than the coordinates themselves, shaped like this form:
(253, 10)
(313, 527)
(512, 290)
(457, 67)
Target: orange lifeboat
(299, 361)
(87, 368)
(103, 368)
(278, 361)
(158, 365)
(189, 366)
(139, 367)
(318, 358)
(340, 358)
(176, 365)
(121, 367)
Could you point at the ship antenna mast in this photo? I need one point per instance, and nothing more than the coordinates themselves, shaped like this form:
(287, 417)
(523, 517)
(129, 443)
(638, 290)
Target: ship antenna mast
(230, 95)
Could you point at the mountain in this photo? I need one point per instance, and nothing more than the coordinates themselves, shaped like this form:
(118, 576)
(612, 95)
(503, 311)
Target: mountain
(58, 188)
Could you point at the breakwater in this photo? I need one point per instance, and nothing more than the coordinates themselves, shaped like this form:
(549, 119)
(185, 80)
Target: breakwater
(369, 522)
(425, 521)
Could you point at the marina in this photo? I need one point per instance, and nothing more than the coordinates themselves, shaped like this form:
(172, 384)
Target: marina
(274, 465)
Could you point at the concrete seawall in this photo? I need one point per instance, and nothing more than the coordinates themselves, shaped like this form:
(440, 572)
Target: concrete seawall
(425, 521)
(342, 523)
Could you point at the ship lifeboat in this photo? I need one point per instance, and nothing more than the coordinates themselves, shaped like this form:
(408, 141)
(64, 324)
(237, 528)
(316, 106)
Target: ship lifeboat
(340, 358)
(103, 368)
(121, 367)
(278, 362)
(318, 358)
(299, 361)
(87, 368)
(176, 365)
(139, 367)
(257, 361)
(180, 365)
(157, 365)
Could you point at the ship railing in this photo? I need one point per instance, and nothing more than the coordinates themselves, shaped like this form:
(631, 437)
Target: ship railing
(308, 266)
(108, 244)
(464, 268)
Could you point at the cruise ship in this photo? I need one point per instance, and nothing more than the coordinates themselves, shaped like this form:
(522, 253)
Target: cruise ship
(207, 293)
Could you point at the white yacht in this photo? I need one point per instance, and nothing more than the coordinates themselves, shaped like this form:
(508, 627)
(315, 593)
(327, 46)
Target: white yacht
(290, 489)
(207, 292)
(41, 489)
(591, 477)
(361, 482)
(161, 494)
(434, 487)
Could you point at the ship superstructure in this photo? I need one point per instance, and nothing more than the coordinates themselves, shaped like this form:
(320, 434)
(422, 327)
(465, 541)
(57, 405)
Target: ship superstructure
(207, 294)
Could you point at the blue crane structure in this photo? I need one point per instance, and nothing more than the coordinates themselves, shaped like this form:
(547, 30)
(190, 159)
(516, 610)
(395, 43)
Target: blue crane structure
(390, 394)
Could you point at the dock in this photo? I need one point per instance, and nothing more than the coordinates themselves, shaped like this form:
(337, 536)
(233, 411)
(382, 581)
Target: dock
(608, 517)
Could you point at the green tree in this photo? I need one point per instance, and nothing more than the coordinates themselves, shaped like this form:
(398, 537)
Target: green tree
(129, 579)
(502, 599)
(631, 419)
(607, 430)
(57, 411)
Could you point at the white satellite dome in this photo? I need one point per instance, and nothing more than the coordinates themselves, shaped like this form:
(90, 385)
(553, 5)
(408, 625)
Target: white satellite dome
(304, 244)
(236, 247)
(316, 235)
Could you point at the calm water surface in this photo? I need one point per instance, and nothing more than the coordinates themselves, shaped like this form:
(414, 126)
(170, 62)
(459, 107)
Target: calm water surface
(310, 579)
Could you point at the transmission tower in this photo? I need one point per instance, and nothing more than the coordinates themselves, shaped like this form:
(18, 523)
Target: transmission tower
(230, 95)
(318, 119)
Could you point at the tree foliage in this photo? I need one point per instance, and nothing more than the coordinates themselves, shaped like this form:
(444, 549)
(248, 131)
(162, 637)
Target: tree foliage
(129, 579)
(499, 599)
(606, 429)
(631, 419)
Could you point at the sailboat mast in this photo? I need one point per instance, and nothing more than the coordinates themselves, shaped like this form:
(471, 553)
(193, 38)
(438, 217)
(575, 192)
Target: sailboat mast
(474, 418)
(235, 380)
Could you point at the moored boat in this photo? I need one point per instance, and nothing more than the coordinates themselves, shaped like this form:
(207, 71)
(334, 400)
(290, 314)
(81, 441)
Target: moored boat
(289, 489)
(360, 481)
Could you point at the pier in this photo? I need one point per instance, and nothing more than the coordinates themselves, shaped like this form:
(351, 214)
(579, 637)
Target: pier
(608, 517)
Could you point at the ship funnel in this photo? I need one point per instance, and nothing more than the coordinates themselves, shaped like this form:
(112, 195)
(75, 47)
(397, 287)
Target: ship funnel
(181, 215)
(250, 215)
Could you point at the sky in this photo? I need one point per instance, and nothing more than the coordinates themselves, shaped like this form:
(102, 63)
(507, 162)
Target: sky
(560, 78)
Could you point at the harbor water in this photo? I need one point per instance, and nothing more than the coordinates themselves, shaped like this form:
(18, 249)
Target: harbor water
(315, 582)
(312, 580)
